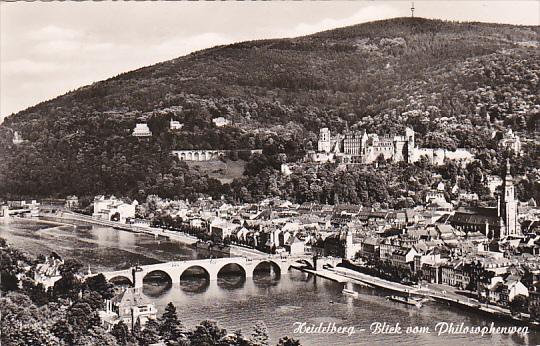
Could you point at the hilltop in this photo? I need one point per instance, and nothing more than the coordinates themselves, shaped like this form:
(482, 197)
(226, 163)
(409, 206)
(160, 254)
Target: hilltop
(454, 83)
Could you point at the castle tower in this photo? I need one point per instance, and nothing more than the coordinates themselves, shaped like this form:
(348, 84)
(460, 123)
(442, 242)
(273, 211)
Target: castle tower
(324, 144)
(508, 205)
(409, 137)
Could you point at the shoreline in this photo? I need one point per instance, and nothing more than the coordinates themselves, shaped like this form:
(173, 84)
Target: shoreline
(495, 312)
(156, 232)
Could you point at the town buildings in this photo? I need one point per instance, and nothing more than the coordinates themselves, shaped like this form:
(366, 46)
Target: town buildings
(499, 221)
(113, 209)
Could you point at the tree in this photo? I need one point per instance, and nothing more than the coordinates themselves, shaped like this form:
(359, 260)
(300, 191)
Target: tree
(286, 341)
(36, 292)
(68, 286)
(70, 266)
(136, 331)
(95, 336)
(534, 310)
(99, 284)
(235, 339)
(259, 337)
(8, 281)
(170, 328)
(32, 334)
(93, 299)
(82, 317)
(64, 331)
(150, 333)
(519, 304)
(121, 333)
(207, 333)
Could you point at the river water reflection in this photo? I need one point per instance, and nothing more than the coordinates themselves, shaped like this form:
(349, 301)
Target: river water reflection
(237, 303)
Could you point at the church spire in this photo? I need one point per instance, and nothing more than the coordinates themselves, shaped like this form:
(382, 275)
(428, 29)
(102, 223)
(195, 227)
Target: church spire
(508, 206)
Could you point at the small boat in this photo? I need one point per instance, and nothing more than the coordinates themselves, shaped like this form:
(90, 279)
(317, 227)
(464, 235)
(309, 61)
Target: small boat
(350, 292)
(406, 300)
(331, 302)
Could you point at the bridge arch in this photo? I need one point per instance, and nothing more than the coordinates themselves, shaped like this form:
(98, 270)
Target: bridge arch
(273, 267)
(195, 270)
(228, 266)
(194, 279)
(156, 282)
(232, 276)
(118, 278)
(149, 275)
(306, 262)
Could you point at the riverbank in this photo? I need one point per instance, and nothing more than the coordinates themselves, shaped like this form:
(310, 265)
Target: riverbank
(442, 296)
(156, 232)
(153, 231)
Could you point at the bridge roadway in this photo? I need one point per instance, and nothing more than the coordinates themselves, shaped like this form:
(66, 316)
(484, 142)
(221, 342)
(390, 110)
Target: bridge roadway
(9, 212)
(213, 266)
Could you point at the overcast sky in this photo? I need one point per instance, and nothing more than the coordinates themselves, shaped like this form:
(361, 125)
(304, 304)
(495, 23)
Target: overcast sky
(48, 49)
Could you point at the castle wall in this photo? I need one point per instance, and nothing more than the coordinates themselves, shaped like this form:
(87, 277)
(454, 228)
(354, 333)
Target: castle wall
(366, 148)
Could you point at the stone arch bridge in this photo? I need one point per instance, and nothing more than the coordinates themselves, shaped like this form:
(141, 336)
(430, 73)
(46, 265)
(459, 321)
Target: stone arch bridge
(199, 155)
(208, 154)
(212, 267)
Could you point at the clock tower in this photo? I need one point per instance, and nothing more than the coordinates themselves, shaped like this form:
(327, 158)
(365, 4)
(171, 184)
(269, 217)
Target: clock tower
(508, 206)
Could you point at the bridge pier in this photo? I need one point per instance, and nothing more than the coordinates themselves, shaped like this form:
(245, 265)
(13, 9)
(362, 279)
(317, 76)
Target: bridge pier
(138, 280)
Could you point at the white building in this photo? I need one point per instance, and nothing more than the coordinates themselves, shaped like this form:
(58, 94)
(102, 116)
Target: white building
(71, 202)
(129, 306)
(17, 139)
(113, 209)
(435, 196)
(221, 121)
(295, 246)
(220, 228)
(492, 183)
(511, 141)
(175, 125)
(141, 130)
(516, 288)
(48, 273)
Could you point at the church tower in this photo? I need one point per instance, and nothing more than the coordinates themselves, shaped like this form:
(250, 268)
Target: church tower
(508, 206)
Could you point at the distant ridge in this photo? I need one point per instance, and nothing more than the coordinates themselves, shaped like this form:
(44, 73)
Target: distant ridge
(381, 76)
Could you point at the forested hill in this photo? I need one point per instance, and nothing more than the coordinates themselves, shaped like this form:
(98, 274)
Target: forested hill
(454, 83)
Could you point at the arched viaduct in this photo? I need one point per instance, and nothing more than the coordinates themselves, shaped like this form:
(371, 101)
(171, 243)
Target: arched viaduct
(212, 267)
(199, 155)
(208, 155)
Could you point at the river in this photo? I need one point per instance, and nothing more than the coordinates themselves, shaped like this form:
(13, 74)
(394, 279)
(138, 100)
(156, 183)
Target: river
(237, 303)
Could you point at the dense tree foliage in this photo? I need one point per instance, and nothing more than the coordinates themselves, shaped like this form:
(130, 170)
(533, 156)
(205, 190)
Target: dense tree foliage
(454, 83)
